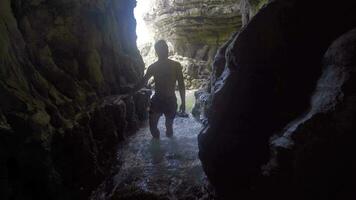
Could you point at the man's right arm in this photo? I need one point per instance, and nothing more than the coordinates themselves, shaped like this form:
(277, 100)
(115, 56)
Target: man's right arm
(181, 87)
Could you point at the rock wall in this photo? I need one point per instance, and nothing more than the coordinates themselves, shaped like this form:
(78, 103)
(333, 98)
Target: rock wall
(320, 142)
(249, 8)
(64, 67)
(265, 82)
(194, 30)
(203, 97)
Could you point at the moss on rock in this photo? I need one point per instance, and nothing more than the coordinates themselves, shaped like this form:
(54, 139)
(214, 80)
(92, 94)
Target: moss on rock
(95, 74)
(41, 118)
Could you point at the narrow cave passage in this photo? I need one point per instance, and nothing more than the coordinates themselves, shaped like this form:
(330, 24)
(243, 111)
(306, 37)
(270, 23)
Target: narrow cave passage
(168, 168)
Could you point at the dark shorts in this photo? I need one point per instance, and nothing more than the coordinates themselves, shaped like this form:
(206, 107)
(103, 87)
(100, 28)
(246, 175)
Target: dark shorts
(167, 106)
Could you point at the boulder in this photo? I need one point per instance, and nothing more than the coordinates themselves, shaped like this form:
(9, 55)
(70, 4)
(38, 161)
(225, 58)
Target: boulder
(316, 149)
(271, 70)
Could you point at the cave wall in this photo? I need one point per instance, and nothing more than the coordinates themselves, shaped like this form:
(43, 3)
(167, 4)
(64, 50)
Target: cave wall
(265, 81)
(317, 147)
(203, 96)
(191, 25)
(249, 8)
(64, 67)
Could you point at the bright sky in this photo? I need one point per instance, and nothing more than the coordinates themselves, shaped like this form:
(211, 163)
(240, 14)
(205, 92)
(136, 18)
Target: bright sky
(143, 33)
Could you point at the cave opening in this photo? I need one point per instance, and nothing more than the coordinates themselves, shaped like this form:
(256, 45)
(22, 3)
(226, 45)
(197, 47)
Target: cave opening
(194, 31)
(144, 34)
(147, 34)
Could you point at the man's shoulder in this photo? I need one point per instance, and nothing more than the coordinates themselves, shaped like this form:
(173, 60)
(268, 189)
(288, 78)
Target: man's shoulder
(152, 66)
(175, 64)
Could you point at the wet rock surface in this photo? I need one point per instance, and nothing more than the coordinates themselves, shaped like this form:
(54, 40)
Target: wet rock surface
(60, 60)
(272, 69)
(201, 106)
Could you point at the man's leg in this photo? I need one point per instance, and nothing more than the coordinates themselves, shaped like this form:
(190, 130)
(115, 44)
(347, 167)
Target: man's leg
(170, 114)
(169, 125)
(153, 120)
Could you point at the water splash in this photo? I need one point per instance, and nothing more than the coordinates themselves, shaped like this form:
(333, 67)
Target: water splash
(168, 168)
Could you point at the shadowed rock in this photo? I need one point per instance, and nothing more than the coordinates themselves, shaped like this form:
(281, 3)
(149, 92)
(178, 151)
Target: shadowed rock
(272, 67)
(58, 60)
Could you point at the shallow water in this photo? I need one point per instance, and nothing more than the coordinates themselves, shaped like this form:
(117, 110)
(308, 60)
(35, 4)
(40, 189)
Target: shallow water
(168, 168)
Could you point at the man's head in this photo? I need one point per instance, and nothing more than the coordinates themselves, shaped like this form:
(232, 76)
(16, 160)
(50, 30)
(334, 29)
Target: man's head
(161, 48)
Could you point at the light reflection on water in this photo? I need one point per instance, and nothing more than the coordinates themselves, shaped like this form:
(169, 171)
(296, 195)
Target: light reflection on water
(168, 168)
(159, 166)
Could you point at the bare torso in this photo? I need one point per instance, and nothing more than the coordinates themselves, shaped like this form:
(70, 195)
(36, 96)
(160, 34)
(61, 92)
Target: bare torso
(165, 73)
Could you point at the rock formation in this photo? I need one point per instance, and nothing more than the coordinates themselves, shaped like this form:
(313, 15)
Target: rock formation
(64, 68)
(203, 96)
(194, 30)
(249, 8)
(320, 142)
(265, 82)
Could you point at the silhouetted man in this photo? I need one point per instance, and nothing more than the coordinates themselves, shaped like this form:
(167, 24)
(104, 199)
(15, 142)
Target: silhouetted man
(166, 73)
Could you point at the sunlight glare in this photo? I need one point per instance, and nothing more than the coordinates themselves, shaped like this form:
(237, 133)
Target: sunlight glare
(144, 35)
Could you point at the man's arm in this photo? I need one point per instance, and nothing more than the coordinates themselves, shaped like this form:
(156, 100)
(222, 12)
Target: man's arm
(181, 87)
(143, 81)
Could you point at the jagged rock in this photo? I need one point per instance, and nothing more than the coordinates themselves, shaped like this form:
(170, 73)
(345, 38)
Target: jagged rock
(249, 8)
(203, 96)
(59, 59)
(272, 67)
(201, 106)
(319, 144)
